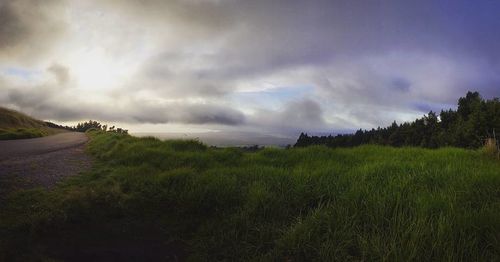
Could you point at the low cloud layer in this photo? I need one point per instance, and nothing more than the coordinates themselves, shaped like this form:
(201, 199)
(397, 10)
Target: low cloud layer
(294, 116)
(232, 64)
(51, 101)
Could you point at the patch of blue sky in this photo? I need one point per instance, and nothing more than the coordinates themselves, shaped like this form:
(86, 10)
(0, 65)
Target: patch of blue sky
(426, 107)
(270, 98)
(22, 73)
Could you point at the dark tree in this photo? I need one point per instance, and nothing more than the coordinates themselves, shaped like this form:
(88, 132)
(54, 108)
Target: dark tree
(468, 126)
(85, 126)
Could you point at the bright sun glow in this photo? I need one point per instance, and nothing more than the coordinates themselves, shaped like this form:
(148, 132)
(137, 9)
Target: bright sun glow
(94, 70)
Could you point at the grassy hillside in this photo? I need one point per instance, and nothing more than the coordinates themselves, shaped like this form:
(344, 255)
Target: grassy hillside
(16, 125)
(151, 199)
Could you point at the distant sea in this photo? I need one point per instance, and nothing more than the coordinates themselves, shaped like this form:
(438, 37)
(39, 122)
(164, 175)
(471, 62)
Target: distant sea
(229, 139)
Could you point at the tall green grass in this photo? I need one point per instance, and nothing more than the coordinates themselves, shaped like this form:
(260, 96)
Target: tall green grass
(21, 133)
(301, 204)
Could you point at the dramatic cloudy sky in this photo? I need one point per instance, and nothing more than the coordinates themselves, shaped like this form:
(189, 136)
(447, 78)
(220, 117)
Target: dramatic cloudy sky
(275, 66)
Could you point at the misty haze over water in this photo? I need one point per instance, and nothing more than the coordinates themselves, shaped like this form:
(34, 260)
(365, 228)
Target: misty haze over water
(228, 139)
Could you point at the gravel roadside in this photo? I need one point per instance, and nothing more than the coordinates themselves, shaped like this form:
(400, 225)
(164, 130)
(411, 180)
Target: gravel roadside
(45, 169)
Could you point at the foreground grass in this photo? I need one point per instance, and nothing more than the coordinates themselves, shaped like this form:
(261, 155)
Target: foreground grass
(183, 200)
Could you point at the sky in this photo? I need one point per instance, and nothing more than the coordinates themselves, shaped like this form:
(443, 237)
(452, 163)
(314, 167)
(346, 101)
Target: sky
(269, 66)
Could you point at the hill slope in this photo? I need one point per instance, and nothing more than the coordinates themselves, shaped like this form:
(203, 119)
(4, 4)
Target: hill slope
(16, 125)
(13, 119)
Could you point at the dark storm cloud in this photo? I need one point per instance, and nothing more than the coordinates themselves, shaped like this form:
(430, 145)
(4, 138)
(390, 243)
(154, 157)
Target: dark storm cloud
(168, 75)
(320, 29)
(263, 37)
(186, 113)
(151, 113)
(28, 28)
(61, 73)
(400, 84)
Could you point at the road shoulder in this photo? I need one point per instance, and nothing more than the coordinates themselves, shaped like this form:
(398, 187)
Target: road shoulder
(42, 170)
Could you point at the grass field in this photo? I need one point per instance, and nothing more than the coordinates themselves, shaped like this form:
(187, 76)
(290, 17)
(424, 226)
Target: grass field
(180, 199)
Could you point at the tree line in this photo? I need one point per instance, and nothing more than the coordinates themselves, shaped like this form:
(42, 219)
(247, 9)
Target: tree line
(91, 124)
(474, 120)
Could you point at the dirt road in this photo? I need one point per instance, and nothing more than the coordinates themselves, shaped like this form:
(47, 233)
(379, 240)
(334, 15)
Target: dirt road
(44, 161)
(34, 146)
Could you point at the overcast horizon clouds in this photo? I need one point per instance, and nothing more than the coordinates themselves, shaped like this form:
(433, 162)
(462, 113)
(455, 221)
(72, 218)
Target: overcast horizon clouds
(277, 67)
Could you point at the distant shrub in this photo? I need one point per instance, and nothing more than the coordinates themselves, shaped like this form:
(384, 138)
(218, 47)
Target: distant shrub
(186, 145)
(53, 125)
(491, 147)
(95, 125)
(92, 130)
